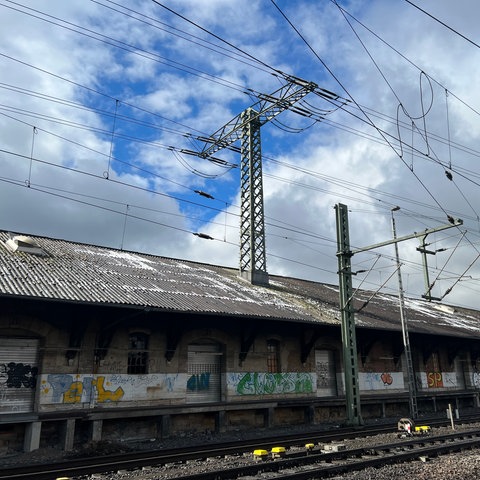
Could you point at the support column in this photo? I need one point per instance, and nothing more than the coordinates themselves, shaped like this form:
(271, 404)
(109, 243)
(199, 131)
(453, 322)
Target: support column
(96, 430)
(165, 426)
(68, 434)
(32, 436)
(349, 341)
(220, 421)
(310, 415)
(269, 412)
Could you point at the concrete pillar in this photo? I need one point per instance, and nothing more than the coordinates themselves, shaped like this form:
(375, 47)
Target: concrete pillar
(269, 412)
(165, 426)
(220, 421)
(68, 434)
(96, 430)
(32, 436)
(310, 415)
(384, 410)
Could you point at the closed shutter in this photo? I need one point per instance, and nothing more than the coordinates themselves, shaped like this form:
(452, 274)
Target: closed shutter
(326, 373)
(460, 373)
(204, 373)
(18, 374)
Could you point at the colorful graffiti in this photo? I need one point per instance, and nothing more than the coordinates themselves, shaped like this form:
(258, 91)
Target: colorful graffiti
(18, 375)
(434, 380)
(386, 378)
(67, 389)
(77, 389)
(199, 382)
(272, 383)
(381, 380)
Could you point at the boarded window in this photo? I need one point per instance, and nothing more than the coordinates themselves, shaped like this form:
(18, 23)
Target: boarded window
(137, 353)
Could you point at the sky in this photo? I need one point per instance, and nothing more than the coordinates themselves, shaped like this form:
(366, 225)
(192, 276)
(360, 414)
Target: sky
(100, 100)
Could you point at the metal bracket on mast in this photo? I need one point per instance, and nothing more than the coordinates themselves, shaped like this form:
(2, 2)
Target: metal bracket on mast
(423, 250)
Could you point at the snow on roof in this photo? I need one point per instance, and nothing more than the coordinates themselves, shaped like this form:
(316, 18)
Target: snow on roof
(98, 275)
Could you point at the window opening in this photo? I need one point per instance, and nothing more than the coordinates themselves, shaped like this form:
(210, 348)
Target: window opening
(273, 356)
(137, 353)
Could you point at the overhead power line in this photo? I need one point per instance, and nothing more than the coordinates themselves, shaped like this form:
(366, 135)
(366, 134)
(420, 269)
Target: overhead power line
(456, 32)
(167, 119)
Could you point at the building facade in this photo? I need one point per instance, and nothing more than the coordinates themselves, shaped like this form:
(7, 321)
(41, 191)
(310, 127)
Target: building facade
(101, 344)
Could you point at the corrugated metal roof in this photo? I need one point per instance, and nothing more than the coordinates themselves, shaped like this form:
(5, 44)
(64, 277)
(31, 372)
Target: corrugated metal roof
(92, 274)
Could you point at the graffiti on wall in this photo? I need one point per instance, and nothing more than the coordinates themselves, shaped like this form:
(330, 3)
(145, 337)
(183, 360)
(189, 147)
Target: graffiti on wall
(381, 380)
(77, 389)
(18, 375)
(271, 383)
(324, 379)
(476, 379)
(199, 382)
(434, 380)
(68, 389)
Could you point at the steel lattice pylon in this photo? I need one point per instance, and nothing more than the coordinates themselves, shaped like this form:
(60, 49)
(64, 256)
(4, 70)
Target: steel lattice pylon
(246, 128)
(253, 265)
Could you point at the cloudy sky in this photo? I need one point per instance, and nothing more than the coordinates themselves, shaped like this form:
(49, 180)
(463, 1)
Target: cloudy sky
(100, 99)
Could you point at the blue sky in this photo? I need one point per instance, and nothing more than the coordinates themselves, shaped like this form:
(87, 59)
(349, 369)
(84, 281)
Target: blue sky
(98, 98)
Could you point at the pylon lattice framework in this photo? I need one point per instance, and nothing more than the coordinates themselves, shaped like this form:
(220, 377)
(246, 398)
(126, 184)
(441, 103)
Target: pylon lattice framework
(252, 223)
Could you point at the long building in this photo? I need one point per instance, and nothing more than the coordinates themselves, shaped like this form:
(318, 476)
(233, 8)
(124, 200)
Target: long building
(98, 343)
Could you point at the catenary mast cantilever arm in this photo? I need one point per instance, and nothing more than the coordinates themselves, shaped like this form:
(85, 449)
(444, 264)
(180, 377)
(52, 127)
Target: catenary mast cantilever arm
(267, 108)
(456, 223)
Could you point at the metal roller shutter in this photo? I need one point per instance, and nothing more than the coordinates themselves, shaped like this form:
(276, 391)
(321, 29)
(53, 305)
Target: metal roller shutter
(326, 373)
(204, 370)
(18, 374)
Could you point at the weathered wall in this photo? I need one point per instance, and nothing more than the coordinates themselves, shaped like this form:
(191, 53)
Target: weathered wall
(79, 381)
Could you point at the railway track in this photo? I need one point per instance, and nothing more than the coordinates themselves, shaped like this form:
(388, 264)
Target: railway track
(292, 460)
(320, 464)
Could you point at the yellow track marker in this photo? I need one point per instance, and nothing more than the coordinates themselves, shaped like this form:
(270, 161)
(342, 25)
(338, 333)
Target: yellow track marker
(260, 454)
(278, 452)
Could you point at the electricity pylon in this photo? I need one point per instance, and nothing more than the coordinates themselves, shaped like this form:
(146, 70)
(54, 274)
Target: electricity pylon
(246, 128)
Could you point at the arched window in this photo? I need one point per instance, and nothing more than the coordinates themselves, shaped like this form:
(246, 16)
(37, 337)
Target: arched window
(273, 356)
(137, 353)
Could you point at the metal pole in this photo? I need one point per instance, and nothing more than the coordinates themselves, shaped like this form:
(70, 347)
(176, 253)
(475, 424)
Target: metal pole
(349, 342)
(412, 390)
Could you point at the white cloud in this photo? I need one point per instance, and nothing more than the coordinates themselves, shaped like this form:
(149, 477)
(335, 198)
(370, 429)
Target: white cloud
(346, 161)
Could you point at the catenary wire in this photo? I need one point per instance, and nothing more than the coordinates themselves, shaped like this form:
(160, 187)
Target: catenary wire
(456, 32)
